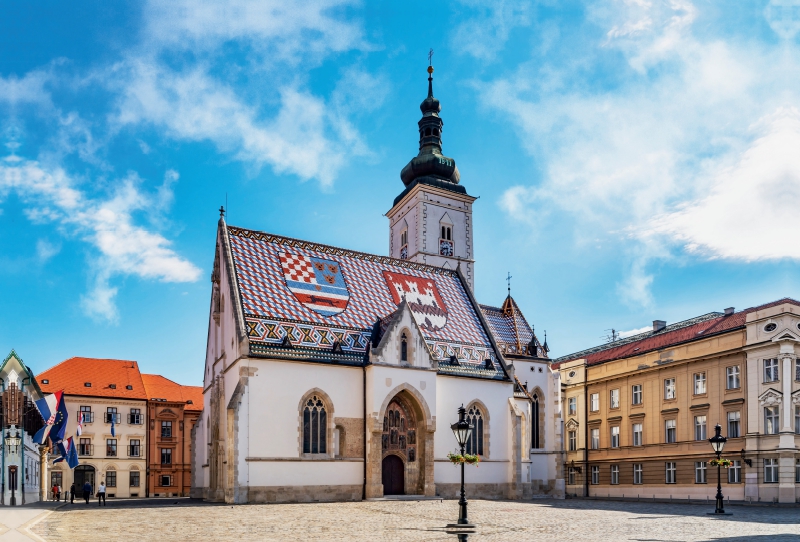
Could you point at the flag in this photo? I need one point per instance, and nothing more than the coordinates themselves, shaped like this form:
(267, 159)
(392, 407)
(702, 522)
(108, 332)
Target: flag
(48, 408)
(62, 449)
(79, 429)
(72, 454)
(60, 426)
(113, 427)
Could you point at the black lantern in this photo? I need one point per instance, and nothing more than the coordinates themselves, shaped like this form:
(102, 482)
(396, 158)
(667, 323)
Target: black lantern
(462, 430)
(718, 443)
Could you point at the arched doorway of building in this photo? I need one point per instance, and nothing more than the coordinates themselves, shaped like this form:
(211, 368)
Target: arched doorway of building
(393, 475)
(84, 473)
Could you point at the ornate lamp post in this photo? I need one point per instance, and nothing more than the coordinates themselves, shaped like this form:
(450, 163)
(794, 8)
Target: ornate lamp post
(718, 443)
(462, 430)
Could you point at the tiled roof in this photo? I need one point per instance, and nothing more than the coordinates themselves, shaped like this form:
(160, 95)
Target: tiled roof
(317, 295)
(510, 328)
(688, 330)
(158, 387)
(73, 374)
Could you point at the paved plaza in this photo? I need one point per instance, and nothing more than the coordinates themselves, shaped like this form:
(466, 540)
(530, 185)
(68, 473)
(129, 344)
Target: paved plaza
(540, 520)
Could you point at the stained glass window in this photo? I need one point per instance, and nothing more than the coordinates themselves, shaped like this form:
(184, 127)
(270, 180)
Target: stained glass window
(315, 423)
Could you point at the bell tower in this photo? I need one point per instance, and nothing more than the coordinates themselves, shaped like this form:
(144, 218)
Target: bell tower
(431, 220)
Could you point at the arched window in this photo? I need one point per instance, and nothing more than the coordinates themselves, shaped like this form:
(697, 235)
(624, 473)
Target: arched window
(535, 422)
(427, 132)
(403, 347)
(475, 441)
(315, 426)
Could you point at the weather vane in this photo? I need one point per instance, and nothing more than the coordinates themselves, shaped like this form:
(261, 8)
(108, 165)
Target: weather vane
(430, 56)
(508, 279)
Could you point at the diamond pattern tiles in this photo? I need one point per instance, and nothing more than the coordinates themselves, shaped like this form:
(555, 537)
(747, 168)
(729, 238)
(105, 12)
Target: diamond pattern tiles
(506, 325)
(273, 311)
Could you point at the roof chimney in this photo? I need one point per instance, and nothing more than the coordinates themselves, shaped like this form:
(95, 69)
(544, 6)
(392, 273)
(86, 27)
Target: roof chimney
(729, 311)
(658, 325)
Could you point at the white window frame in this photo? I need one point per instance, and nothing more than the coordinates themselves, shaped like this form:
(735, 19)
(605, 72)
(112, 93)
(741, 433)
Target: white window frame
(636, 394)
(615, 436)
(637, 473)
(669, 388)
(595, 438)
(637, 434)
(614, 475)
(572, 440)
(572, 406)
(770, 471)
(671, 472)
(734, 420)
(735, 472)
(732, 377)
(700, 427)
(797, 419)
(595, 475)
(771, 370)
(571, 476)
(614, 398)
(772, 414)
(700, 383)
(594, 402)
(673, 425)
(700, 472)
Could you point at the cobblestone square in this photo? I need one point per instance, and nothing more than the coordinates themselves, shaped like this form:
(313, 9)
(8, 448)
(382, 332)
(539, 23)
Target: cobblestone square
(540, 520)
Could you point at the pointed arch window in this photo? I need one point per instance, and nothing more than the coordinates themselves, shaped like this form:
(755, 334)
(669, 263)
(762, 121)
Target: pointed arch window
(475, 441)
(315, 426)
(403, 347)
(446, 241)
(535, 441)
(404, 244)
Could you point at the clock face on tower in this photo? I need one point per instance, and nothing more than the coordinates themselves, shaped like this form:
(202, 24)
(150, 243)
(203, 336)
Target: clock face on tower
(445, 247)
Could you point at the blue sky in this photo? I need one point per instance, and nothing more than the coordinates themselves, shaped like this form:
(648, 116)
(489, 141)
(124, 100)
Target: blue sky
(635, 159)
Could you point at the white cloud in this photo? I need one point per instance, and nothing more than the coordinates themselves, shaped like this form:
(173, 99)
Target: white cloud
(123, 247)
(46, 250)
(487, 32)
(632, 332)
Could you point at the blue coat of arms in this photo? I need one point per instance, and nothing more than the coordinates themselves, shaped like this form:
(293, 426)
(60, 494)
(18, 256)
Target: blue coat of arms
(316, 283)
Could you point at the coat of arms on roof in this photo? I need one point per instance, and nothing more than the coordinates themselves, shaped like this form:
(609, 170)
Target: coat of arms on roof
(317, 283)
(422, 297)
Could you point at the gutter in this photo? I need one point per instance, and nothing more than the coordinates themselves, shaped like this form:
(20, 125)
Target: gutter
(586, 430)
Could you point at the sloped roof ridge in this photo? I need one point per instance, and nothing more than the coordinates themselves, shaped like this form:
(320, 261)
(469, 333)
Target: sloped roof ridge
(161, 376)
(646, 335)
(330, 249)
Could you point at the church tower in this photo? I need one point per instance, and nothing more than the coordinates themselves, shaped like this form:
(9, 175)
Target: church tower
(431, 220)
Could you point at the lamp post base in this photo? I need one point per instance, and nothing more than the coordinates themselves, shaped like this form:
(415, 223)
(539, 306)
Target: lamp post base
(460, 526)
(719, 513)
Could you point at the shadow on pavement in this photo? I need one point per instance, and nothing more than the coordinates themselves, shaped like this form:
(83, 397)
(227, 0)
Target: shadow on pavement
(172, 502)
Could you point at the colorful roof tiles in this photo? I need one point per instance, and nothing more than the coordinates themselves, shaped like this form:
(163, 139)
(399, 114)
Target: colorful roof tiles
(317, 295)
(92, 377)
(161, 388)
(511, 330)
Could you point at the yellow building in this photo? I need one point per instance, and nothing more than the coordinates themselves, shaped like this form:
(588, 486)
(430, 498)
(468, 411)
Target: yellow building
(639, 411)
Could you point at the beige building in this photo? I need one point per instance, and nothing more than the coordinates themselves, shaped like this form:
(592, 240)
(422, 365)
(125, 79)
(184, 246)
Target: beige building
(639, 411)
(103, 390)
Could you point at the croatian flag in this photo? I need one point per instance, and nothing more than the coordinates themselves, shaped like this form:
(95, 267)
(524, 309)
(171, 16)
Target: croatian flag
(49, 407)
(79, 429)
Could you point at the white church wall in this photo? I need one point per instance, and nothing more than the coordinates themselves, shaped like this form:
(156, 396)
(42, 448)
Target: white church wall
(307, 473)
(386, 381)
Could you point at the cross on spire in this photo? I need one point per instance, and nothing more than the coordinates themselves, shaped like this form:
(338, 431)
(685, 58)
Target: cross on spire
(221, 211)
(508, 279)
(430, 56)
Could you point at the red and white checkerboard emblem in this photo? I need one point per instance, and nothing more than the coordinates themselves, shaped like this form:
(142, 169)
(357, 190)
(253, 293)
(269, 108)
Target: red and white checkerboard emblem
(317, 283)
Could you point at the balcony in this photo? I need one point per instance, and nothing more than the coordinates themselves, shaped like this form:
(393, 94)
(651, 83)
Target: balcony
(108, 416)
(85, 450)
(135, 419)
(88, 417)
(135, 450)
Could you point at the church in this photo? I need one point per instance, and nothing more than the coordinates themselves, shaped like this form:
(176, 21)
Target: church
(334, 375)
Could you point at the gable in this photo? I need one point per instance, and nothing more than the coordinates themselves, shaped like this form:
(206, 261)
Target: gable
(318, 295)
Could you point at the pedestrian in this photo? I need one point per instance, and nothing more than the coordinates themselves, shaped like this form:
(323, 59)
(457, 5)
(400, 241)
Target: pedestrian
(72, 493)
(101, 494)
(87, 491)
(55, 491)
(59, 494)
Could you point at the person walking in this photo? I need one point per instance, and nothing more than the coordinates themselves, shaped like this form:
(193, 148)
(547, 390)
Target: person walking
(55, 492)
(87, 491)
(101, 494)
(58, 498)
(72, 493)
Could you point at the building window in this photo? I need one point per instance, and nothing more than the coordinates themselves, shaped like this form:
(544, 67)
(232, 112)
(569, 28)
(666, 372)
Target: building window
(166, 481)
(134, 478)
(771, 471)
(770, 370)
(636, 394)
(700, 472)
(797, 471)
(797, 419)
(670, 431)
(671, 471)
(166, 429)
(733, 424)
(797, 368)
(446, 242)
(315, 423)
(403, 347)
(669, 388)
(615, 474)
(594, 402)
(85, 446)
(111, 415)
(111, 478)
(771, 420)
(573, 440)
(637, 473)
(166, 456)
(111, 447)
(732, 377)
(404, 245)
(55, 478)
(135, 417)
(595, 439)
(637, 434)
(475, 440)
(571, 476)
(595, 475)
(615, 437)
(572, 407)
(699, 383)
(735, 472)
(614, 399)
(535, 436)
(86, 412)
(699, 428)
(135, 448)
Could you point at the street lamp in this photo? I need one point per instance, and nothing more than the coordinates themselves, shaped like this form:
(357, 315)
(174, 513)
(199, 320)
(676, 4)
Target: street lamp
(718, 443)
(462, 430)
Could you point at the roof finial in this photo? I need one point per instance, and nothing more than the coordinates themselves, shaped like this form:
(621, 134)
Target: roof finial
(221, 211)
(430, 74)
(508, 279)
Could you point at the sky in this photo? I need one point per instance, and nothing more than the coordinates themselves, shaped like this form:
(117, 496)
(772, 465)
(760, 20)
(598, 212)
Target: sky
(634, 159)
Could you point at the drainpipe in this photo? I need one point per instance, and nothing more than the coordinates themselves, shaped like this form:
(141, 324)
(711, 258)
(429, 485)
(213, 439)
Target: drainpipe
(366, 431)
(585, 431)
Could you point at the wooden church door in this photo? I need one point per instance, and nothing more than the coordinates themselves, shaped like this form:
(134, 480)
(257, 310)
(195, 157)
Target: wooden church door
(393, 475)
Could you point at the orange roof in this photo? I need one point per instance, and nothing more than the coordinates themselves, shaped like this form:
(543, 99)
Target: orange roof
(108, 378)
(158, 387)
